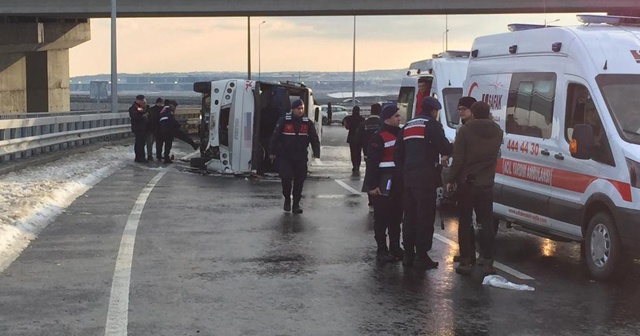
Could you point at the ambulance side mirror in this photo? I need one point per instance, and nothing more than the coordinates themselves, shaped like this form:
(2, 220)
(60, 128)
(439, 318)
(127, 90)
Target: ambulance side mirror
(582, 144)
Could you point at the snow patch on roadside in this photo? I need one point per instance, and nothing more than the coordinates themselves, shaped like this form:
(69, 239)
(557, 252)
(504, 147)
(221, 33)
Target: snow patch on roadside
(33, 197)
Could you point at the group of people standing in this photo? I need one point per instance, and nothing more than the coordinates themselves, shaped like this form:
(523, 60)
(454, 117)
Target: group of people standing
(403, 173)
(155, 124)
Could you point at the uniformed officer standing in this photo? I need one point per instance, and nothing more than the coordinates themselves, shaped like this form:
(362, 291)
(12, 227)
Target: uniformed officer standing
(417, 152)
(291, 137)
(364, 134)
(384, 183)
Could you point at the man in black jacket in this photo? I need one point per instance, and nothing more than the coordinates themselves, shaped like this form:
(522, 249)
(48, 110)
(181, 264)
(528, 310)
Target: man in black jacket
(351, 123)
(384, 183)
(138, 115)
(291, 137)
(364, 133)
(418, 150)
(152, 128)
(167, 124)
(472, 171)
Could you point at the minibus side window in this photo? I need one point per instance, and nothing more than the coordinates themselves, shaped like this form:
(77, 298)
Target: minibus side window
(530, 104)
(580, 109)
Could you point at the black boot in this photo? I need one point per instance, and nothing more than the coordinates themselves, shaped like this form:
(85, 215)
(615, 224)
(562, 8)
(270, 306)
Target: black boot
(457, 258)
(409, 256)
(296, 207)
(382, 254)
(423, 261)
(287, 204)
(396, 251)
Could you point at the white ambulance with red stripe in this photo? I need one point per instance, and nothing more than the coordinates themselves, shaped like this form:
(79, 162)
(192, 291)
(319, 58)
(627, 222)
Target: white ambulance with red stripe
(568, 99)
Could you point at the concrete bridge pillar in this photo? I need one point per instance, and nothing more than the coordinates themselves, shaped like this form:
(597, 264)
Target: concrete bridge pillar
(34, 63)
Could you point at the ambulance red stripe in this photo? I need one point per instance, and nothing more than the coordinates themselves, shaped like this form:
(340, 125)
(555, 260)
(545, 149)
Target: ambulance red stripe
(562, 179)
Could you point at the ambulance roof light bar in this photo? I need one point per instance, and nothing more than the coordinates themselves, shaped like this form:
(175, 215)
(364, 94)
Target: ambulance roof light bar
(613, 20)
(514, 27)
(452, 54)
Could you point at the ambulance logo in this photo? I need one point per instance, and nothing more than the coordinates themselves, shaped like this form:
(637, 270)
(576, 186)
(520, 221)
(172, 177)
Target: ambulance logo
(636, 55)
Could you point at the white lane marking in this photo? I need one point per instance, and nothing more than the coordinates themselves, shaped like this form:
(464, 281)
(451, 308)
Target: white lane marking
(497, 265)
(117, 315)
(346, 186)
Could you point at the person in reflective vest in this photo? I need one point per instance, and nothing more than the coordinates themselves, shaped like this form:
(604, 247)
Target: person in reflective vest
(384, 183)
(418, 150)
(291, 137)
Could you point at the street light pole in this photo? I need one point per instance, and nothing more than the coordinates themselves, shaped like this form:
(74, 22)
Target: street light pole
(248, 48)
(353, 76)
(259, 50)
(114, 60)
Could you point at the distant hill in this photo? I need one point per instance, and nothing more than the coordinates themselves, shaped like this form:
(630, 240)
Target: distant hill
(371, 85)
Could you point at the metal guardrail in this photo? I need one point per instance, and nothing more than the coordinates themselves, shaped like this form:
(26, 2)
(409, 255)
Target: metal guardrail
(30, 134)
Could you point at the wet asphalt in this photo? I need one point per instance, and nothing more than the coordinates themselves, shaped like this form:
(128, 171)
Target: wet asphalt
(216, 255)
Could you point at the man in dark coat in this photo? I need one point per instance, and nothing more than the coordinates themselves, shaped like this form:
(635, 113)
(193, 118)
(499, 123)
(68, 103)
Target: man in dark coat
(418, 150)
(364, 133)
(475, 156)
(167, 125)
(138, 115)
(351, 123)
(289, 142)
(152, 128)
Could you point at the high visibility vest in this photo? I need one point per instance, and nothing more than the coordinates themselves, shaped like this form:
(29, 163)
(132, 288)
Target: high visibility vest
(414, 129)
(389, 145)
(289, 128)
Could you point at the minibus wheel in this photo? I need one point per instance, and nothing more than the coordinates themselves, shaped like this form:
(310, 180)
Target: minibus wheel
(603, 251)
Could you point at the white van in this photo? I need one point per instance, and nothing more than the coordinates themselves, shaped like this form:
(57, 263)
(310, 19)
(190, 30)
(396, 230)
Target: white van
(568, 100)
(238, 118)
(445, 74)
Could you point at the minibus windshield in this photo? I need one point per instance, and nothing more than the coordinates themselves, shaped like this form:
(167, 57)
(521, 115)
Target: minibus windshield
(621, 93)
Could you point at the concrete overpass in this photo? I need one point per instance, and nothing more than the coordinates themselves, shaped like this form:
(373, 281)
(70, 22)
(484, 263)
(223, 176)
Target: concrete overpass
(157, 8)
(36, 35)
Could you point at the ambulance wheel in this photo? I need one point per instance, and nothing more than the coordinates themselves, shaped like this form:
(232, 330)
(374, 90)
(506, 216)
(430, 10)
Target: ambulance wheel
(198, 162)
(604, 255)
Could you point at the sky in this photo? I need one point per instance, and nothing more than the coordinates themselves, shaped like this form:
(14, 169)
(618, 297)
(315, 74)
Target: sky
(159, 45)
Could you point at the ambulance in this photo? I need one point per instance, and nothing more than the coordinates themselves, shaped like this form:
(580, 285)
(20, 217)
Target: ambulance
(445, 73)
(238, 118)
(568, 100)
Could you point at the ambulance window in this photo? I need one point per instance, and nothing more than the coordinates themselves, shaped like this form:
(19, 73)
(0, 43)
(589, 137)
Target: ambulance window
(405, 102)
(530, 104)
(451, 98)
(580, 109)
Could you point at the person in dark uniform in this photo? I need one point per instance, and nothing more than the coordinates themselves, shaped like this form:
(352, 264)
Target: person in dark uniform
(177, 131)
(329, 114)
(384, 183)
(351, 123)
(475, 157)
(418, 148)
(152, 128)
(364, 133)
(291, 137)
(138, 115)
(167, 124)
